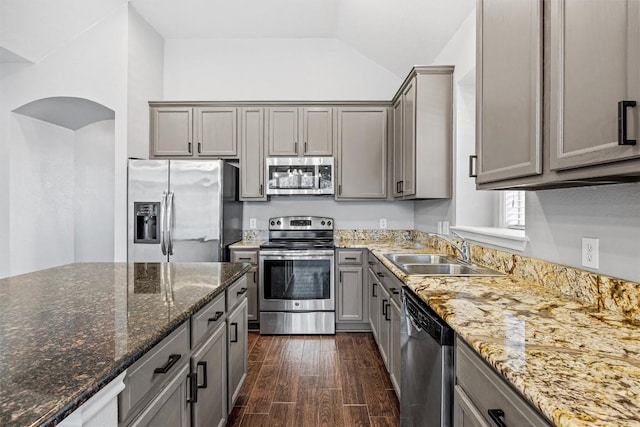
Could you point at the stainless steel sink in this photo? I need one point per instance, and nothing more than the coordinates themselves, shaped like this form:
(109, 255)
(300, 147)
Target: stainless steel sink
(438, 265)
(399, 259)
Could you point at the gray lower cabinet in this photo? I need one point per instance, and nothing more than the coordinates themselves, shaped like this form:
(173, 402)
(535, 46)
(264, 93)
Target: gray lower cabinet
(384, 326)
(250, 256)
(209, 363)
(483, 397)
(252, 132)
(351, 304)
(170, 408)
(373, 299)
(362, 153)
(395, 363)
(236, 350)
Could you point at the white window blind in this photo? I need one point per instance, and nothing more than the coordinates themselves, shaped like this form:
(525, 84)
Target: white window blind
(513, 208)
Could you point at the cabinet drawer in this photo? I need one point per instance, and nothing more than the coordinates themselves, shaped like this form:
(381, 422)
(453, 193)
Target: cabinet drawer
(236, 292)
(244, 256)
(350, 257)
(142, 378)
(489, 391)
(208, 318)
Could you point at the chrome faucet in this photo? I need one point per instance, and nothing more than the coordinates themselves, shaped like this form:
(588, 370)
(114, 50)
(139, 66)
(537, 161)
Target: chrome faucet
(463, 249)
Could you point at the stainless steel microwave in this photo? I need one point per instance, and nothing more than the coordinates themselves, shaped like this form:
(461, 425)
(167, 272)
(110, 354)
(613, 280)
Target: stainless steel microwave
(299, 175)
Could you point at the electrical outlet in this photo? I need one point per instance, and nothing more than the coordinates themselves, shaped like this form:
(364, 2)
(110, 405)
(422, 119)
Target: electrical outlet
(252, 223)
(445, 228)
(590, 252)
(439, 227)
(383, 223)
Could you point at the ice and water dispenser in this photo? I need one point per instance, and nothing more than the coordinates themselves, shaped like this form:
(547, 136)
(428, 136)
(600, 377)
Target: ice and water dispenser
(147, 222)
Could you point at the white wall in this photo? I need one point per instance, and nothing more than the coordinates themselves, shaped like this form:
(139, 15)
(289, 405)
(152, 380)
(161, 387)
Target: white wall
(347, 215)
(468, 206)
(272, 69)
(93, 188)
(144, 81)
(41, 196)
(558, 219)
(91, 66)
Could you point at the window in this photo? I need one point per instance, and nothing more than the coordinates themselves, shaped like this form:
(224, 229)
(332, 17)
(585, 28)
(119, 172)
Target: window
(512, 209)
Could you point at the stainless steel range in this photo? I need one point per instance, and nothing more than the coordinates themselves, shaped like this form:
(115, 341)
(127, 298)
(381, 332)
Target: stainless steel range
(297, 294)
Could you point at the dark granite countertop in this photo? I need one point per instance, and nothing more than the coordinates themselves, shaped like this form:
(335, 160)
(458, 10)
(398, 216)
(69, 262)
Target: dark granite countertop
(67, 331)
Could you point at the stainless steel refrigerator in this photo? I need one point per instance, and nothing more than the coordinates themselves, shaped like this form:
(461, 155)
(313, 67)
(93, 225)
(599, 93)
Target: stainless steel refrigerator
(182, 210)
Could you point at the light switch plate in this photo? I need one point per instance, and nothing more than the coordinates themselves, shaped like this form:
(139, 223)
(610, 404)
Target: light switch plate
(252, 223)
(445, 228)
(590, 252)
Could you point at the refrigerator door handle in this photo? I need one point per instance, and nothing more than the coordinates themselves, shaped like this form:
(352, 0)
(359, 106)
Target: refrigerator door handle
(169, 222)
(163, 213)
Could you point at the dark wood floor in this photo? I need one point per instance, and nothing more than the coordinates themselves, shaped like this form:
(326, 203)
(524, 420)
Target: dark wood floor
(315, 381)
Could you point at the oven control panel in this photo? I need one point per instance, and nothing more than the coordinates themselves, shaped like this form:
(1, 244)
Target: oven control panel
(300, 223)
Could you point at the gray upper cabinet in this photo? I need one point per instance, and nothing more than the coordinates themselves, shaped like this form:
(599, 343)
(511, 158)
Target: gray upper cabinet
(423, 134)
(252, 154)
(171, 131)
(194, 132)
(217, 134)
(595, 64)
(362, 153)
(508, 89)
(295, 131)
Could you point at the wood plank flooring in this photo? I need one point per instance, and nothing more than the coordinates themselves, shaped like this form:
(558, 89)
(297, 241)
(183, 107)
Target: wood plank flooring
(313, 380)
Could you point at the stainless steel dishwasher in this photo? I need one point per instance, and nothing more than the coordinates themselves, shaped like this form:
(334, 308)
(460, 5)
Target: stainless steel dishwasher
(427, 365)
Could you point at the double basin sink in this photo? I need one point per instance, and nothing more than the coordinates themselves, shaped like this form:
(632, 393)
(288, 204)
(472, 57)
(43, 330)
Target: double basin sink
(438, 265)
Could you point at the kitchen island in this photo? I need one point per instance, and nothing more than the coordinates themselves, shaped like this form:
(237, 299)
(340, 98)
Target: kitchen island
(66, 332)
(577, 363)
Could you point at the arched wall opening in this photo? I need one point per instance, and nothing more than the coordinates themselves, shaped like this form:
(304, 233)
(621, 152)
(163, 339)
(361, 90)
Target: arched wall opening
(61, 183)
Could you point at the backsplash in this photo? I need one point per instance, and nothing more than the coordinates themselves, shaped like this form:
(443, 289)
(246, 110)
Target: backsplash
(599, 291)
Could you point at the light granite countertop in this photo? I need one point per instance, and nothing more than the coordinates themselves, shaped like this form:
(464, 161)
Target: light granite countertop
(579, 365)
(247, 244)
(67, 331)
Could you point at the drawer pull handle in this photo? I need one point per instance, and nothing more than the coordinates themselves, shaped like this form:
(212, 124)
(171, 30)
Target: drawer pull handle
(395, 291)
(350, 258)
(217, 316)
(244, 258)
(387, 314)
(380, 274)
(384, 308)
(496, 416)
(622, 122)
(235, 333)
(204, 374)
(370, 262)
(373, 290)
(241, 291)
(193, 384)
(173, 359)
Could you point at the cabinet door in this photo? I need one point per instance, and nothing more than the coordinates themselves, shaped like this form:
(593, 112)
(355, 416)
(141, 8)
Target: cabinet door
(217, 131)
(508, 89)
(374, 304)
(595, 54)
(252, 154)
(394, 343)
(252, 295)
(397, 148)
(465, 413)
(236, 351)
(350, 300)
(408, 186)
(283, 131)
(384, 328)
(169, 408)
(362, 153)
(318, 131)
(210, 366)
(171, 131)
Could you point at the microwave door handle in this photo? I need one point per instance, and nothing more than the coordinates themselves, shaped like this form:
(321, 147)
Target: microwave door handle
(169, 222)
(163, 213)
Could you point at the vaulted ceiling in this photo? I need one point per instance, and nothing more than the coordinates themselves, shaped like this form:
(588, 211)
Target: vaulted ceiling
(394, 33)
